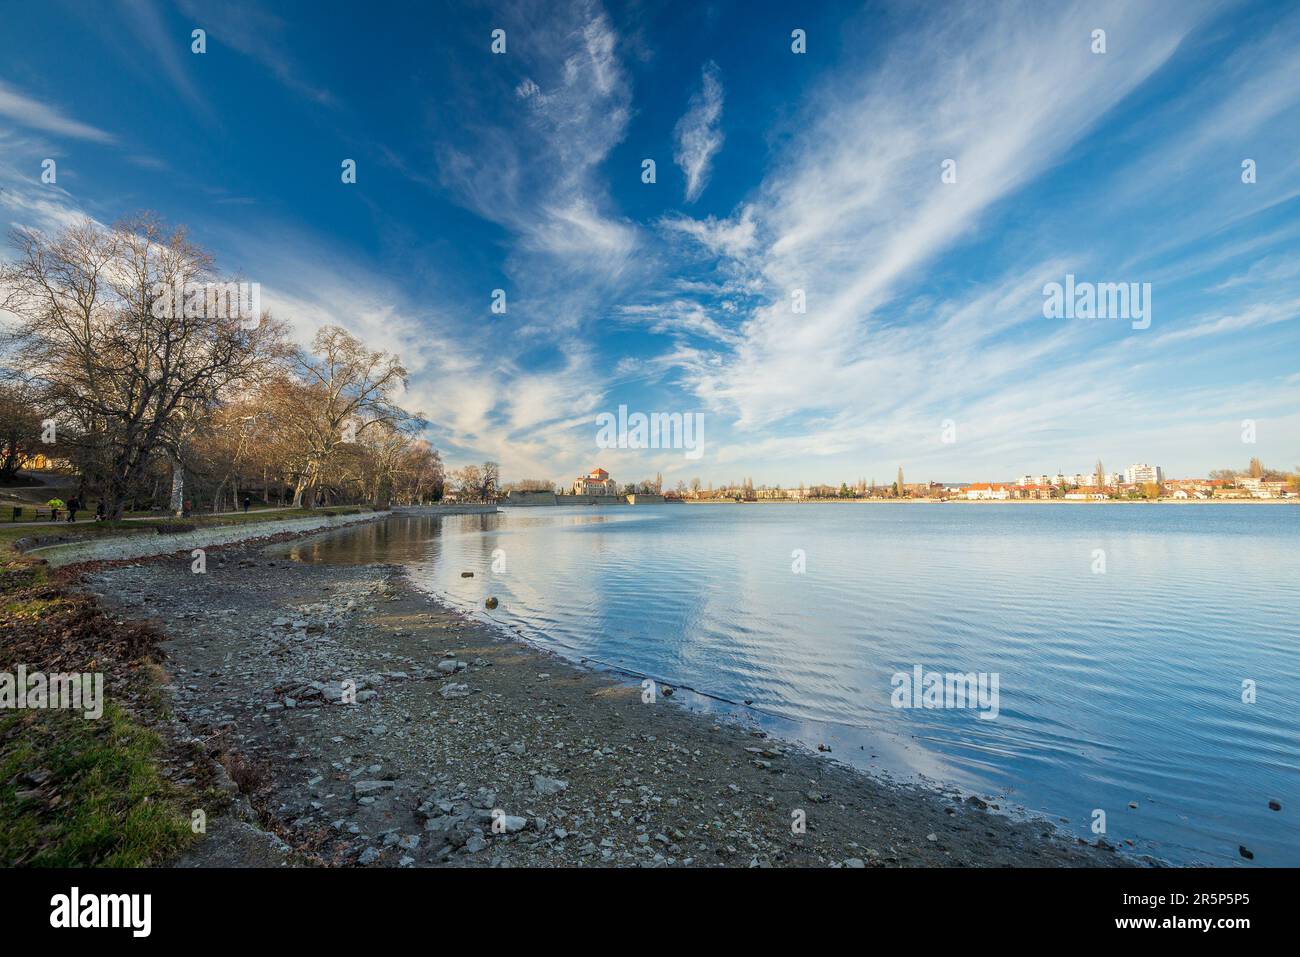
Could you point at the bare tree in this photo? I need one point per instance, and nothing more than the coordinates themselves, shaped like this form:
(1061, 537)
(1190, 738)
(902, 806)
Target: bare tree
(489, 481)
(119, 361)
(348, 390)
(419, 474)
(20, 427)
(477, 483)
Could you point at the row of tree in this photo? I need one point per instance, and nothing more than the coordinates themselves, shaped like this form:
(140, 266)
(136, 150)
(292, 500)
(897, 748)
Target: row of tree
(140, 393)
(1256, 469)
(477, 483)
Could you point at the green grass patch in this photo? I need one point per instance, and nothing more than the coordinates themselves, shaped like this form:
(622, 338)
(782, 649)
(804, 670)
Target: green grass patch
(86, 793)
(31, 607)
(77, 792)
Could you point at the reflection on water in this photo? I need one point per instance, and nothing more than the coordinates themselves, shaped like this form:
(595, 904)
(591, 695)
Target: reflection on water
(1116, 687)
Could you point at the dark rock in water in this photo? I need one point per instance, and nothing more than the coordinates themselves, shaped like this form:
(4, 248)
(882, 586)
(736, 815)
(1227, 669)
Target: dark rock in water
(466, 574)
(824, 748)
(1245, 852)
(490, 603)
(1275, 805)
(977, 802)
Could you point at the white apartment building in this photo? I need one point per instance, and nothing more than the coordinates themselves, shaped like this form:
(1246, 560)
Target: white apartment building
(1141, 474)
(1078, 478)
(987, 490)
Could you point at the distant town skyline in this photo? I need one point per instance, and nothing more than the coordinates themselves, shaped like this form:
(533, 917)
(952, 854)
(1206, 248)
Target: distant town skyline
(1132, 473)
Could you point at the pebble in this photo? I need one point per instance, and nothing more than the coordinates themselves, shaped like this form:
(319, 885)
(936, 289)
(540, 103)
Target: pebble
(548, 786)
(371, 788)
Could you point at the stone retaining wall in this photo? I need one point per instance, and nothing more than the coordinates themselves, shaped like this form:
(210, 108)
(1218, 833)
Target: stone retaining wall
(515, 499)
(444, 509)
(146, 544)
(568, 500)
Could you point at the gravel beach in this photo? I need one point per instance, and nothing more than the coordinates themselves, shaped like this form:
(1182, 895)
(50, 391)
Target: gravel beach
(370, 725)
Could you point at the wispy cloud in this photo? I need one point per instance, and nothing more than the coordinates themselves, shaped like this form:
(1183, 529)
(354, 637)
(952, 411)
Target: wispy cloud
(855, 207)
(679, 318)
(163, 47)
(574, 101)
(256, 32)
(733, 237)
(697, 134)
(32, 113)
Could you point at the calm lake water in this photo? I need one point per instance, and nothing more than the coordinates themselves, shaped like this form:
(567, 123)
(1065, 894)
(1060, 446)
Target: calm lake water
(1113, 687)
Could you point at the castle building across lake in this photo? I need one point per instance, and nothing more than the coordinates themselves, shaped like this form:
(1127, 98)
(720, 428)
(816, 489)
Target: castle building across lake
(595, 482)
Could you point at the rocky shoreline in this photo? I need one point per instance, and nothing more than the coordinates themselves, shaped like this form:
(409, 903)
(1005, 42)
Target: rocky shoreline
(367, 724)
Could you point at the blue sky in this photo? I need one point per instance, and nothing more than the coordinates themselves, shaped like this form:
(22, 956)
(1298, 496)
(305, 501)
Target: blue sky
(776, 172)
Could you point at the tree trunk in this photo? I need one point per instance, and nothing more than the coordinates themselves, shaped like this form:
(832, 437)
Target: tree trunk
(178, 488)
(304, 492)
(114, 500)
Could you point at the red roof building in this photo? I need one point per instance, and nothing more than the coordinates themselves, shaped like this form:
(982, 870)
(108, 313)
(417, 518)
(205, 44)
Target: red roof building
(595, 482)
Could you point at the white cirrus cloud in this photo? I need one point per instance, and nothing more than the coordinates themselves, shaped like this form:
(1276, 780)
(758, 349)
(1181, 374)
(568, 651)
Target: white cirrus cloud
(697, 135)
(32, 113)
(732, 237)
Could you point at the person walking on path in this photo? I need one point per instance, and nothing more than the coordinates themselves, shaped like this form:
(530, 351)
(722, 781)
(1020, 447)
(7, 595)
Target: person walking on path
(74, 504)
(247, 502)
(99, 512)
